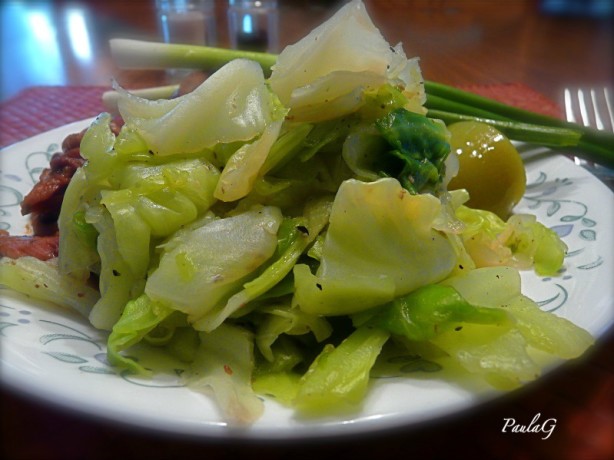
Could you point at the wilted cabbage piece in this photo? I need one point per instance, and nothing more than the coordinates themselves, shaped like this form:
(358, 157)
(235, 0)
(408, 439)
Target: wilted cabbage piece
(324, 75)
(77, 254)
(338, 379)
(243, 167)
(42, 280)
(118, 283)
(380, 244)
(224, 366)
(154, 202)
(401, 144)
(521, 242)
(202, 267)
(511, 353)
(418, 149)
(140, 316)
(305, 230)
(232, 105)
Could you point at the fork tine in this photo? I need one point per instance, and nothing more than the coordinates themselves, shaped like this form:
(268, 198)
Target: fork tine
(590, 107)
(569, 112)
(598, 121)
(583, 109)
(608, 105)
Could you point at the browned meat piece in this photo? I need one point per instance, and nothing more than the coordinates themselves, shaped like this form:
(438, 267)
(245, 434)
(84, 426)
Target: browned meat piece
(72, 141)
(44, 201)
(41, 247)
(45, 198)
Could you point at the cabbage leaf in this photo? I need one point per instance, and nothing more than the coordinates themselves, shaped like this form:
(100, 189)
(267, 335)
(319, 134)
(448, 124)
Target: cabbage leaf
(224, 365)
(338, 379)
(233, 104)
(324, 75)
(521, 242)
(42, 280)
(373, 253)
(202, 267)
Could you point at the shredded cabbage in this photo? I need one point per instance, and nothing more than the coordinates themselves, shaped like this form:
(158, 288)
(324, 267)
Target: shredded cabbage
(277, 236)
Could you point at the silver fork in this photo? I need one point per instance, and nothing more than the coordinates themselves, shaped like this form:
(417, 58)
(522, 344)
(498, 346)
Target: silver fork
(592, 108)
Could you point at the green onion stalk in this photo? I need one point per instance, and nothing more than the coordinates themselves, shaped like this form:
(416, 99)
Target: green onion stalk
(444, 102)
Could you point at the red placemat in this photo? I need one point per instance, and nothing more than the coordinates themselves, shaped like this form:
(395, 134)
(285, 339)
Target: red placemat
(41, 108)
(518, 95)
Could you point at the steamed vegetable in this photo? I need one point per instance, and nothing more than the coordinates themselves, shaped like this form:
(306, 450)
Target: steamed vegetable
(325, 74)
(224, 365)
(201, 268)
(373, 253)
(507, 354)
(42, 280)
(419, 145)
(278, 235)
(140, 317)
(338, 378)
(235, 103)
(432, 310)
(521, 242)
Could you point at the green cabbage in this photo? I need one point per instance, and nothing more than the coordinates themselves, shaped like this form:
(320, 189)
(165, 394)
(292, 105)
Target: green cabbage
(338, 379)
(521, 242)
(373, 253)
(201, 268)
(324, 75)
(511, 353)
(224, 365)
(42, 280)
(139, 317)
(233, 104)
(303, 234)
(418, 149)
(77, 255)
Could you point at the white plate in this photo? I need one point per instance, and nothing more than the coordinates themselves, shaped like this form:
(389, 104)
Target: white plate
(57, 356)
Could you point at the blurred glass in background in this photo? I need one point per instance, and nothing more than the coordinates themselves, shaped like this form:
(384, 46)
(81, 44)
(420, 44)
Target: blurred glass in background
(187, 21)
(253, 25)
(590, 8)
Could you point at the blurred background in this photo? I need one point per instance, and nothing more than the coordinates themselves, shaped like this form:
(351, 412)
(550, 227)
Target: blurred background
(545, 44)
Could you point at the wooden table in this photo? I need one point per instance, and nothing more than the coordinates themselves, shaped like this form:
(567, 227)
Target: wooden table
(462, 43)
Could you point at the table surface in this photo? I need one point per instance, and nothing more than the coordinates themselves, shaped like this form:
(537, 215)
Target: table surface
(460, 42)
(464, 43)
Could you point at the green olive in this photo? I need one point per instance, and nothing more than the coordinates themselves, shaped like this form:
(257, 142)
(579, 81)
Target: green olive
(490, 167)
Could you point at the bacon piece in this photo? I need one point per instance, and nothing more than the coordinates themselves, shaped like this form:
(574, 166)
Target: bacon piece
(44, 201)
(41, 247)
